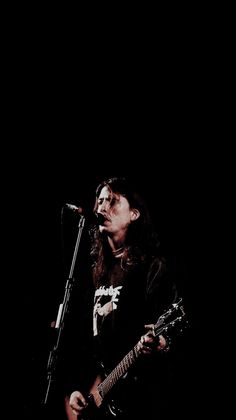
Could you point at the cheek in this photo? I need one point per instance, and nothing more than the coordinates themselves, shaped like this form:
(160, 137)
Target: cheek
(121, 217)
(124, 220)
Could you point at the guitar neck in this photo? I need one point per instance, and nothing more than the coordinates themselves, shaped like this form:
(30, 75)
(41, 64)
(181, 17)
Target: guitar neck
(105, 386)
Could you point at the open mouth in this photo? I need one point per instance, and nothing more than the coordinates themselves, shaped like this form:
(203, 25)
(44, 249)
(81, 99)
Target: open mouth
(102, 219)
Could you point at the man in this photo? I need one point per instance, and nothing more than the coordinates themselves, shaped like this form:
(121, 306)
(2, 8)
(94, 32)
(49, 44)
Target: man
(133, 286)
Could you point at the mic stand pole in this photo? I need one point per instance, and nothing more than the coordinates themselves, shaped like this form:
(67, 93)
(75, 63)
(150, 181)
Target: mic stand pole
(62, 311)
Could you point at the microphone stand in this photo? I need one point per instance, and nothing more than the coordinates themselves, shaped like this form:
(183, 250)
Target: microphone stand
(62, 311)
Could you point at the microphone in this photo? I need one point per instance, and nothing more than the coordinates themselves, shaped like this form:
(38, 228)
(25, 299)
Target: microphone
(74, 208)
(95, 218)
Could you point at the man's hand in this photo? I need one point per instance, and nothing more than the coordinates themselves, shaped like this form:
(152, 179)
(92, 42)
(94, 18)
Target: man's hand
(75, 405)
(147, 343)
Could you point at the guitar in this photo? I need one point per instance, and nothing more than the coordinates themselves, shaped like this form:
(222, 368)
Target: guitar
(98, 406)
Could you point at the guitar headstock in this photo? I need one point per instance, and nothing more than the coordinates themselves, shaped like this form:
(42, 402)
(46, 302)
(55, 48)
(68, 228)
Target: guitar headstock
(174, 318)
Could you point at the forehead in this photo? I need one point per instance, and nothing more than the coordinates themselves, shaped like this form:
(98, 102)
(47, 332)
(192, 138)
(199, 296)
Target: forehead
(105, 192)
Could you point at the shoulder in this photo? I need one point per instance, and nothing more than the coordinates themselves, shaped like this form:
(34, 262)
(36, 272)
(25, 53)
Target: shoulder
(160, 274)
(157, 267)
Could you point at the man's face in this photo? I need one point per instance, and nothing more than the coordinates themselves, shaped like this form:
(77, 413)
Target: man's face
(116, 212)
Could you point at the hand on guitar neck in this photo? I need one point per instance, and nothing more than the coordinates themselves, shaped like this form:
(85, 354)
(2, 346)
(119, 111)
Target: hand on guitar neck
(149, 343)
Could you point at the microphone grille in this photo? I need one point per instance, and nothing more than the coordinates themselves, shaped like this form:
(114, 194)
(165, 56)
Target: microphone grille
(74, 208)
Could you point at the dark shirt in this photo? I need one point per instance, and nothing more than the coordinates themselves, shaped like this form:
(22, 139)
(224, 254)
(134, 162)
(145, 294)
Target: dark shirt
(122, 306)
(109, 324)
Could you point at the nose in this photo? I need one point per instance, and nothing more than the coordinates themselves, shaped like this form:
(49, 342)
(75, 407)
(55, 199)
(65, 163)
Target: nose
(103, 207)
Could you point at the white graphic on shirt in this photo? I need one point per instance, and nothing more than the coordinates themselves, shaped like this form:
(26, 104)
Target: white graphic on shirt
(103, 309)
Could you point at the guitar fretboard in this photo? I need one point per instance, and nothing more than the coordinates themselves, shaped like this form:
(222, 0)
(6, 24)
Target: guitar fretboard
(119, 371)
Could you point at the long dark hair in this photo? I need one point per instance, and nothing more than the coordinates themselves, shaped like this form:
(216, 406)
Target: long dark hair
(141, 242)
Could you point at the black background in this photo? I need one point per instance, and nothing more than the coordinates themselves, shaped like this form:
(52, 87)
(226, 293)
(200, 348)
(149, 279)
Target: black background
(78, 106)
